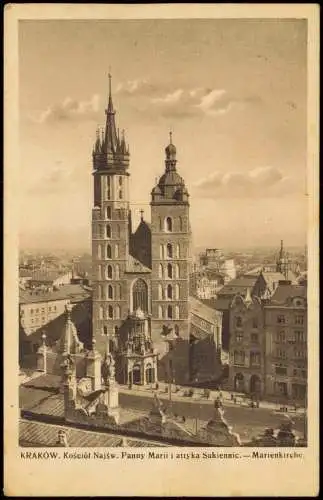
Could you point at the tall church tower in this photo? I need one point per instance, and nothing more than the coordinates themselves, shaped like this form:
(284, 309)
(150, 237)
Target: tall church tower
(111, 230)
(171, 234)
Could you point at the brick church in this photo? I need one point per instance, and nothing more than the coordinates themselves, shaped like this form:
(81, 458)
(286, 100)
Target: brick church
(141, 276)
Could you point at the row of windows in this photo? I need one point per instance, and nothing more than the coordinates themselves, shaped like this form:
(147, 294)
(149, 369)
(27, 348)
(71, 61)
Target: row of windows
(111, 272)
(282, 370)
(119, 190)
(169, 271)
(112, 292)
(298, 320)
(254, 337)
(300, 354)
(169, 312)
(113, 312)
(37, 311)
(110, 312)
(169, 251)
(240, 357)
(168, 224)
(238, 322)
(105, 332)
(169, 292)
(105, 231)
(120, 181)
(298, 336)
(107, 254)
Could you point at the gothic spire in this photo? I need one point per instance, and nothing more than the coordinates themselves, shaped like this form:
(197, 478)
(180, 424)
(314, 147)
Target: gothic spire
(111, 139)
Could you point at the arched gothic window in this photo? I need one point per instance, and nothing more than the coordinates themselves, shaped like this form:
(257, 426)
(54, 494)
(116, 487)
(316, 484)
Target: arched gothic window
(177, 271)
(169, 251)
(108, 212)
(109, 252)
(99, 272)
(108, 231)
(108, 272)
(160, 271)
(116, 251)
(161, 251)
(99, 251)
(110, 312)
(99, 292)
(169, 312)
(160, 292)
(105, 330)
(169, 271)
(117, 272)
(160, 312)
(181, 224)
(169, 292)
(140, 295)
(117, 312)
(168, 224)
(177, 291)
(177, 252)
(176, 312)
(110, 292)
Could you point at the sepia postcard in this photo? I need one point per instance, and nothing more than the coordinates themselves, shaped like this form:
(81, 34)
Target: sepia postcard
(161, 250)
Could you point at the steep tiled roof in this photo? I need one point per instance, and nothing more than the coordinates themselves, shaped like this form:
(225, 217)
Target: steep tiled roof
(74, 293)
(203, 310)
(221, 303)
(286, 291)
(239, 285)
(134, 266)
(33, 433)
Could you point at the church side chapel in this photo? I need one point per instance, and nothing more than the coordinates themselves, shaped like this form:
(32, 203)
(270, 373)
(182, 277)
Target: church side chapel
(140, 277)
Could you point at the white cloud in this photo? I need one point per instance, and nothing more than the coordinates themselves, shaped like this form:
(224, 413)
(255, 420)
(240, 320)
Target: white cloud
(260, 182)
(169, 98)
(70, 109)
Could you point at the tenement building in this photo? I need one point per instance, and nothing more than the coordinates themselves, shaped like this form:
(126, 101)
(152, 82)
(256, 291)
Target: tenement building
(268, 344)
(142, 275)
(286, 343)
(247, 345)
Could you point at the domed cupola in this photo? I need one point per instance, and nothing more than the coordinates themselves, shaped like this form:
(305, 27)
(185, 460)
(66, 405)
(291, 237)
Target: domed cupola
(171, 185)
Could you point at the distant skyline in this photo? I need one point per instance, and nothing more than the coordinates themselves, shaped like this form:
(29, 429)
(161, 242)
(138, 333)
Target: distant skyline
(232, 91)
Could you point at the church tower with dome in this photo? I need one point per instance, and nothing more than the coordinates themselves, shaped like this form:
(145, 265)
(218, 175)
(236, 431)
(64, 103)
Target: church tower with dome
(143, 272)
(170, 243)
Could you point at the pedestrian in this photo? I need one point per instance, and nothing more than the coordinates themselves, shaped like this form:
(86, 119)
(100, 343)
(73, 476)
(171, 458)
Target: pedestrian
(183, 419)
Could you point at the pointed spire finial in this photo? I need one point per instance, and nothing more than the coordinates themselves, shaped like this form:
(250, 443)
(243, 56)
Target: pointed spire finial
(110, 78)
(141, 215)
(170, 137)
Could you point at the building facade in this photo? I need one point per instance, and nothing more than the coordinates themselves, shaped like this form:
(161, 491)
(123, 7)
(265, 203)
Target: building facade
(286, 343)
(146, 269)
(268, 345)
(247, 346)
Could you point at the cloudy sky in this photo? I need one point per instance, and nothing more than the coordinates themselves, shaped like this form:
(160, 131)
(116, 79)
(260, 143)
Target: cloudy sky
(232, 91)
